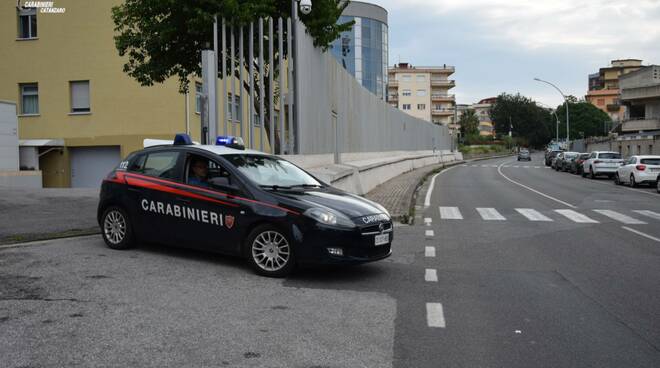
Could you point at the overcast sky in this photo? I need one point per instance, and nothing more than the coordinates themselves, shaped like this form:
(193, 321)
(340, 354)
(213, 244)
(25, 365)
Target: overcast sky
(501, 45)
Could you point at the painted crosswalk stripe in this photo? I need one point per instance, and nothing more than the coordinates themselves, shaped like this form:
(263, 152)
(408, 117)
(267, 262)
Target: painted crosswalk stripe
(429, 233)
(533, 215)
(651, 214)
(431, 275)
(620, 217)
(450, 213)
(429, 251)
(490, 214)
(576, 217)
(537, 167)
(435, 316)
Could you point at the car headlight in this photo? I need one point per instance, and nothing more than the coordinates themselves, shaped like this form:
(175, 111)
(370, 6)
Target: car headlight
(329, 217)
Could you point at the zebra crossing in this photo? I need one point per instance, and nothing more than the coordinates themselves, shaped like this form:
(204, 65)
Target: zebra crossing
(513, 166)
(593, 216)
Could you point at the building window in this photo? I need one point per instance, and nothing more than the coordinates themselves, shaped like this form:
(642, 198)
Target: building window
(421, 106)
(29, 98)
(406, 78)
(421, 78)
(198, 98)
(234, 113)
(406, 106)
(407, 92)
(421, 92)
(79, 96)
(27, 23)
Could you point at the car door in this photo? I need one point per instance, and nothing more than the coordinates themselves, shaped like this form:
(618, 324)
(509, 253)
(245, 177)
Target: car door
(152, 183)
(626, 169)
(218, 213)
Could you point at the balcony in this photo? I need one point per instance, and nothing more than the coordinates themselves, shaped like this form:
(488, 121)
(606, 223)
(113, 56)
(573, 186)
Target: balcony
(393, 97)
(392, 83)
(442, 111)
(613, 107)
(442, 97)
(640, 124)
(442, 83)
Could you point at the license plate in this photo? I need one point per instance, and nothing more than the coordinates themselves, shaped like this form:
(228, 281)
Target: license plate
(382, 239)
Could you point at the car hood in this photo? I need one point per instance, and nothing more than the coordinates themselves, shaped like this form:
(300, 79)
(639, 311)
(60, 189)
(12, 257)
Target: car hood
(350, 205)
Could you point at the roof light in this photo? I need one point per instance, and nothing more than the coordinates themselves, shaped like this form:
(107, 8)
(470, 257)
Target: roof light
(230, 141)
(182, 139)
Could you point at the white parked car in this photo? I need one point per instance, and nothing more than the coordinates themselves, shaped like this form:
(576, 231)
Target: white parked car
(601, 163)
(638, 170)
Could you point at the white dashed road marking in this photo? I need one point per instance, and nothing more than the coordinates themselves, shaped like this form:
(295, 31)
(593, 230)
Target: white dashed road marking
(431, 275)
(427, 221)
(429, 233)
(651, 214)
(450, 213)
(435, 317)
(490, 214)
(576, 217)
(641, 233)
(533, 215)
(429, 251)
(620, 217)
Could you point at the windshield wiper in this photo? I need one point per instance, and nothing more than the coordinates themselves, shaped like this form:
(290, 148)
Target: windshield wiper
(306, 186)
(275, 187)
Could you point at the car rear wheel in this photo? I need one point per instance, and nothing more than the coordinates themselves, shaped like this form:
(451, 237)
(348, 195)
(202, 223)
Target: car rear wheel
(591, 173)
(616, 179)
(270, 252)
(116, 228)
(657, 184)
(633, 183)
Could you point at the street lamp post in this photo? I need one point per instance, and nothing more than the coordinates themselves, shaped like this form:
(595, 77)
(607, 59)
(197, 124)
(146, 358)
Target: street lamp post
(565, 101)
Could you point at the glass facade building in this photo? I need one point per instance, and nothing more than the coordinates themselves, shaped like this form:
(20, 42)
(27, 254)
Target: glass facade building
(363, 51)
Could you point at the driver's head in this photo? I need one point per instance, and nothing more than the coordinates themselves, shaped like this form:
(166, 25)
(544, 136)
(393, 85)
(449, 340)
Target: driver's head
(199, 167)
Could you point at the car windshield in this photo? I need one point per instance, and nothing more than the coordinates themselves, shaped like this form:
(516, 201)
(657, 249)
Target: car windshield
(271, 171)
(650, 161)
(584, 156)
(570, 155)
(611, 155)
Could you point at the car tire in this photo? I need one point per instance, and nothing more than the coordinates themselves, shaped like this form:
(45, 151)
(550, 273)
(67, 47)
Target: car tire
(657, 184)
(116, 228)
(591, 173)
(616, 179)
(270, 252)
(633, 183)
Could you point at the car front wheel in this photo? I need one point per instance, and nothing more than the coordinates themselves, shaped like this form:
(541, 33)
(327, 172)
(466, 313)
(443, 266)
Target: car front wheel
(270, 252)
(116, 228)
(633, 183)
(616, 179)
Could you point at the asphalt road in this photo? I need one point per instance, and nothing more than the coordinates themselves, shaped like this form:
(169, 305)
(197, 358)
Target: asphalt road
(461, 292)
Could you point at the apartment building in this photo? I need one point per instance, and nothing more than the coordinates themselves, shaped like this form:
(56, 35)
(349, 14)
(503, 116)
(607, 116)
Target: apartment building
(78, 112)
(604, 86)
(423, 92)
(482, 111)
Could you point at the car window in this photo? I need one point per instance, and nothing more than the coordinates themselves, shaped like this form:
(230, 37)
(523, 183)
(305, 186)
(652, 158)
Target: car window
(584, 156)
(161, 165)
(609, 155)
(650, 161)
(137, 163)
(201, 170)
(269, 171)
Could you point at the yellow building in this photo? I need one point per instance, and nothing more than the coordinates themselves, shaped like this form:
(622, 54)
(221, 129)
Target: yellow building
(423, 92)
(604, 86)
(78, 112)
(482, 111)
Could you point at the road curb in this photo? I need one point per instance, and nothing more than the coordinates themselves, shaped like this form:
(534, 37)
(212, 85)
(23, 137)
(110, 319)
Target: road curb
(25, 239)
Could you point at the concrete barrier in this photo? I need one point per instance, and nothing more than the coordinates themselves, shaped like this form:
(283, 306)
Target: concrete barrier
(21, 179)
(359, 173)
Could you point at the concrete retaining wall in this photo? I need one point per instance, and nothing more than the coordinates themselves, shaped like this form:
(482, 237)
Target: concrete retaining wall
(20, 179)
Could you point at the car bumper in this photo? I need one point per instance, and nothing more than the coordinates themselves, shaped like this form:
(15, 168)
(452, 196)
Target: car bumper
(604, 170)
(647, 177)
(313, 246)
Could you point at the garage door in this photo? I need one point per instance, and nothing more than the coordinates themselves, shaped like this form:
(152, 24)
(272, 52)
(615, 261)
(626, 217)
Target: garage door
(89, 165)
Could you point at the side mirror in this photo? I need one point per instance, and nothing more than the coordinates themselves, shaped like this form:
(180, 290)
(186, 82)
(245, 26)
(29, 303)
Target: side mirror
(222, 182)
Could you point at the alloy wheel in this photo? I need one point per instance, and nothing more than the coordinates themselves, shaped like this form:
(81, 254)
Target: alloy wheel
(271, 251)
(114, 227)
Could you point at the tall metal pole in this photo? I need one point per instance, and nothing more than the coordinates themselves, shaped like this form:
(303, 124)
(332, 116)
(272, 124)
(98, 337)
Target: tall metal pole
(223, 97)
(251, 82)
(215, 75)
(565, 101)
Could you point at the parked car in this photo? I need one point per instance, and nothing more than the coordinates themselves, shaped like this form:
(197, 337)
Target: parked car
(567, 159)
(638, 170)
(576, 165)
(549, 155)
(524, 155)
(601, 163)
(555, 160)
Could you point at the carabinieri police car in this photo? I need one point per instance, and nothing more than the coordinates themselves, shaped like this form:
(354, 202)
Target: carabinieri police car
(226, 199)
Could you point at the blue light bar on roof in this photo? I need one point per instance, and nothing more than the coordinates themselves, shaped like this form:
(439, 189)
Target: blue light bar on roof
(182, 139)
(230, 141)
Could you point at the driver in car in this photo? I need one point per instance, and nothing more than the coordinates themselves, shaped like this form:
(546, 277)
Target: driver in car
(199, 171)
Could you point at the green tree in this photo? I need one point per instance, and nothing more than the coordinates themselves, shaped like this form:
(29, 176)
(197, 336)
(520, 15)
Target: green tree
(164, 38)
(469, 123)
(586, 120)
(529, 124)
